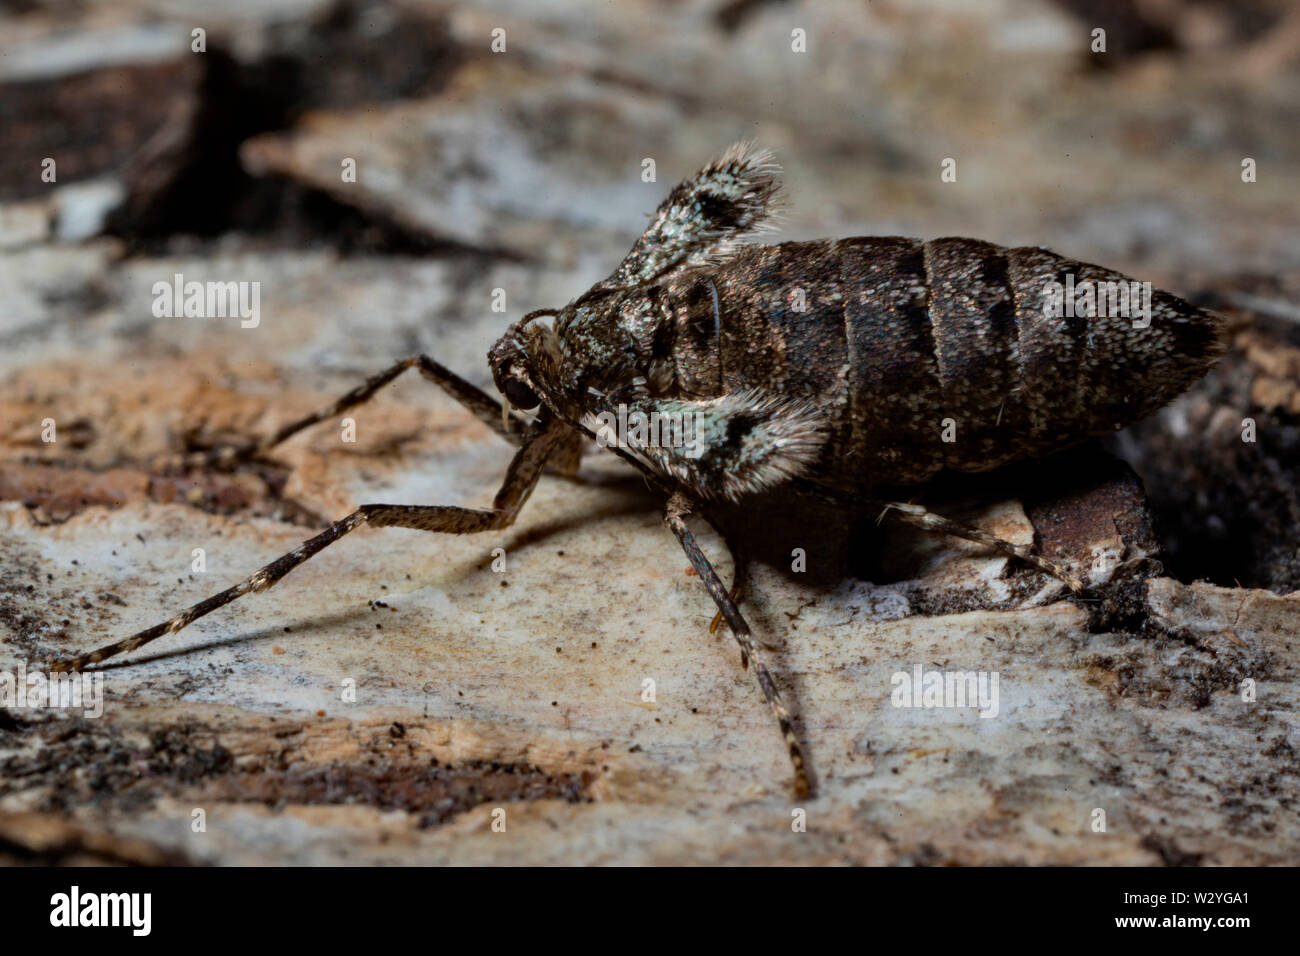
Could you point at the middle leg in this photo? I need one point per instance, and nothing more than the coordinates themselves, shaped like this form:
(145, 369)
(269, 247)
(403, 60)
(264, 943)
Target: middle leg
(674, 517)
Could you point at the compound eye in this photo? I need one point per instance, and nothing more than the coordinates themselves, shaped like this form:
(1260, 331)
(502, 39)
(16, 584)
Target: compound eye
(520, 395)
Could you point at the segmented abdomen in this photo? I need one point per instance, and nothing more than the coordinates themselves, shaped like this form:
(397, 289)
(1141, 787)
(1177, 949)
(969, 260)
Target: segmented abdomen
(906, 343)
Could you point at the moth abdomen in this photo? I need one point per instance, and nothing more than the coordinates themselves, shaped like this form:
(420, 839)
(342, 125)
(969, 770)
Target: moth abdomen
(952, 353)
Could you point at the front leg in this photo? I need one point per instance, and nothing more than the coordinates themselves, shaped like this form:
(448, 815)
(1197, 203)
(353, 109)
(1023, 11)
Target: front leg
(483, 407)
(521, 477)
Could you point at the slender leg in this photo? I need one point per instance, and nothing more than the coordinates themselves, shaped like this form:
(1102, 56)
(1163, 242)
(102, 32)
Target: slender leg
(484, 407)
(674, 517)
(921, 518)
(738, 588)
(521, 477)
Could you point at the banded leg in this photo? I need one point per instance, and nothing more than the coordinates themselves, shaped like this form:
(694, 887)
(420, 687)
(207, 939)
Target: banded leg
(919, 517)
(674, 517)
(483, 406)
(521, 477)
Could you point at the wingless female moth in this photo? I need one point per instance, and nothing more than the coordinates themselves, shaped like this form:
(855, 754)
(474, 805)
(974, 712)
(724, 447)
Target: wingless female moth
(821, 369)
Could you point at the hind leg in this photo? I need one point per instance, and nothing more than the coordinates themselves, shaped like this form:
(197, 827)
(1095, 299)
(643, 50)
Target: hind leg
(920, 517)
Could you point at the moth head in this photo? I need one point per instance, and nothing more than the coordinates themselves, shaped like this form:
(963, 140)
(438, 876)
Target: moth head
(513, 358)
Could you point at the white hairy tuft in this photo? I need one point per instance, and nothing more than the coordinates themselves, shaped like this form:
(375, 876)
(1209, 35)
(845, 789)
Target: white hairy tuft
(741, 444)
